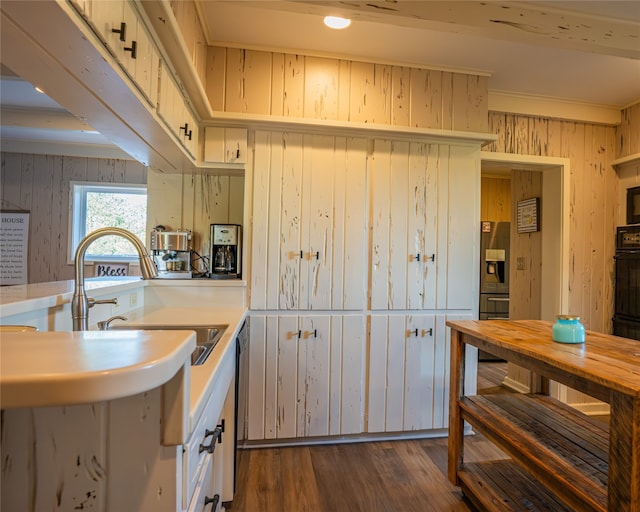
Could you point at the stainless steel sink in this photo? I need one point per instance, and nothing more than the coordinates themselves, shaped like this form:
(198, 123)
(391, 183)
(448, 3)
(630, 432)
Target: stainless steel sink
(207, 336)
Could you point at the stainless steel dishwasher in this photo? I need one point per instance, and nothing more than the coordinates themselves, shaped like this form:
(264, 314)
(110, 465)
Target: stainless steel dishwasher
(242, 377)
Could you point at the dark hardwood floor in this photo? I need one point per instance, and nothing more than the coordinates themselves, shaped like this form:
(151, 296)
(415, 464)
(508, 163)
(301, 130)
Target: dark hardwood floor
(383, 476)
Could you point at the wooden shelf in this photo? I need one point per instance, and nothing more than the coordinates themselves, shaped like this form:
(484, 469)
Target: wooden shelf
(503, 486)
(562, 449)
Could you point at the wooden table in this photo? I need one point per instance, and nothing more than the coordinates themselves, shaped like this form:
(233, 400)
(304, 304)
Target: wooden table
(560, 458)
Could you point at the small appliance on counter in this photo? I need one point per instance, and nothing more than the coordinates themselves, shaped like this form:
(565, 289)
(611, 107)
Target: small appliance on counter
(226, 251)
(171, 253)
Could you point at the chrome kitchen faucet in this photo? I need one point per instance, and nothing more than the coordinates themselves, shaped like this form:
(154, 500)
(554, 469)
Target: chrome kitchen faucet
(80, 304)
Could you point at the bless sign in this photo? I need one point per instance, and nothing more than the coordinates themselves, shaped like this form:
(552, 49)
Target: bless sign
(111, 269)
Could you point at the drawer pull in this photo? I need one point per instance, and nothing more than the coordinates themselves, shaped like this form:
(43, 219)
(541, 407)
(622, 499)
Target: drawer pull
(217, 436)
(215, 500)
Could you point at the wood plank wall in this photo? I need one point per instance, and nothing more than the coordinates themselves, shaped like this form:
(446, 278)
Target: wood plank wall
(628, 132)
(593, 201)
(194, 201)
(41, 185)
(495, 199)
(525, 284)
(278, 84)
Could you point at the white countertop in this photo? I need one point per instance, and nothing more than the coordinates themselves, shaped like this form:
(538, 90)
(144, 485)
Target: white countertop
(21, 298)
(220, 362)
(65, 368)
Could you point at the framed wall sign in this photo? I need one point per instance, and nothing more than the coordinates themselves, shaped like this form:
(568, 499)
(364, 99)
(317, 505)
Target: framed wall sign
(14, 245)
(528, 215)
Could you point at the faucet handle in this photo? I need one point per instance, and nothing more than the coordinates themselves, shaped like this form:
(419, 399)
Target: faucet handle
(104, 325)
(92, 302)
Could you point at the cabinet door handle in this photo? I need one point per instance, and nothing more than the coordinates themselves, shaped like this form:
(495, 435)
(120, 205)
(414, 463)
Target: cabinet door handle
(418, 257)
(238, 153)
(188, 135)
(433, 257)
(427, 331)
(184, 128)
(122, 31)
(214, 500)
(314, 332)
(132, 49)
(217, 436)
(315, 255)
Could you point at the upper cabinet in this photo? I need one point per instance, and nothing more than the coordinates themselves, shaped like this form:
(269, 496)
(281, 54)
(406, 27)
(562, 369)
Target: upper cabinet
(309, 222)
(119, 26)
(225, 145)
(175, 112)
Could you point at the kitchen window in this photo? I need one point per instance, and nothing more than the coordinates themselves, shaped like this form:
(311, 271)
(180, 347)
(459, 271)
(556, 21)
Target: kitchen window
(98, 205)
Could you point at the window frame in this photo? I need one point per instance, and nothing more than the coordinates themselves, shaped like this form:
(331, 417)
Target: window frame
(78, 191)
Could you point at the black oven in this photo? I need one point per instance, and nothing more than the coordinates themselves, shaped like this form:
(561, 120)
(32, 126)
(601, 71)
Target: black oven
(626, 320)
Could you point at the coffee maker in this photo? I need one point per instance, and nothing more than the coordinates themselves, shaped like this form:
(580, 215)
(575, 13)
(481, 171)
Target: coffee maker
(171, 253)
(226, 254)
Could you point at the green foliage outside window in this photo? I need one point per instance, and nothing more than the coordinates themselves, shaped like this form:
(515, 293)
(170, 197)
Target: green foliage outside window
(125, 210)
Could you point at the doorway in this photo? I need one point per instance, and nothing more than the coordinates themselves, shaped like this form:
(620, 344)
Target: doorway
(539, 262)
(554, 223)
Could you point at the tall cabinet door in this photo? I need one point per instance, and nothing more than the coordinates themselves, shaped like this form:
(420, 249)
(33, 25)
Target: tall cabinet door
(306, 376)
(404, 224)
(309, 222)
(424, 246)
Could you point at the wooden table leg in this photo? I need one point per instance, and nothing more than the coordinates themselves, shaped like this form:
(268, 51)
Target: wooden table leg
(456, 390)
(624, 454)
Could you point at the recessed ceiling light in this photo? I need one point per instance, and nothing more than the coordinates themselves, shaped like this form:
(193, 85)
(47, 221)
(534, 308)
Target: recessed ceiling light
(38, 89)
(336, 22)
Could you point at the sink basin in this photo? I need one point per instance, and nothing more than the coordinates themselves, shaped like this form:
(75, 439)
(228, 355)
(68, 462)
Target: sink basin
(207, 336)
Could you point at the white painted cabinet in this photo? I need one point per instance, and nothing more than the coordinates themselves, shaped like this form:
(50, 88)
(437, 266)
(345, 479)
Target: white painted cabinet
(118, 25)
(423, 206)
(113, 456)
(309, 222)
(225, 145)
(306, 375)
(408, 378)
(175, 112)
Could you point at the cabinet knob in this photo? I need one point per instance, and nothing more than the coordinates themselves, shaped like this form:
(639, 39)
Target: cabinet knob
(132, 49)
(122, 31)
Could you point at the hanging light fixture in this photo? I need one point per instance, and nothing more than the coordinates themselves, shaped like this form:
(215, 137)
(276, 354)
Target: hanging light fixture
(336, 22)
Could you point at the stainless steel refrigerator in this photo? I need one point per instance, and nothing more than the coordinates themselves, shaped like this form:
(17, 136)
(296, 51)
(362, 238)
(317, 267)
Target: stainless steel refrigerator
(494, 273)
